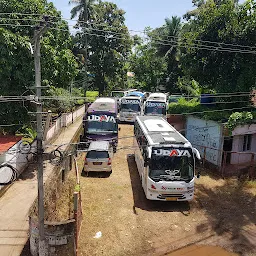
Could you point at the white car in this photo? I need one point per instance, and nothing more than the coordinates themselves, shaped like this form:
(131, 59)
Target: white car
(99, 157)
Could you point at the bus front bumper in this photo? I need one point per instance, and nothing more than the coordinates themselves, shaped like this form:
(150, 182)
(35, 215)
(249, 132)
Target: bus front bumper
(164, 196)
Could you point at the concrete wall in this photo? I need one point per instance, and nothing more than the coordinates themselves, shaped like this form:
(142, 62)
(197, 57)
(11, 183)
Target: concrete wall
(64, 121)
(18, 159)
(207, 137)
(237, 146)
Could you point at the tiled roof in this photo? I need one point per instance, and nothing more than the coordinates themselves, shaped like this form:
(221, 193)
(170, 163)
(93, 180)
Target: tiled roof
(7, 142)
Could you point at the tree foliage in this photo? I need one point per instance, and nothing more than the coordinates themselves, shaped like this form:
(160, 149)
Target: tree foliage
(221, 22)
(166, 40)
(109, 45)
(149, 68)
(17, 72)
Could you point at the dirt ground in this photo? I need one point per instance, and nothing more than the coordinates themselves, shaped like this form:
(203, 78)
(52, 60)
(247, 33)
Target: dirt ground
(223, 213)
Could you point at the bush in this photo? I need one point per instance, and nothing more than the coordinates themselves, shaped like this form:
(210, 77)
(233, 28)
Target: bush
(185, 106)
(92, 95)
(194, 107)
(239, 118)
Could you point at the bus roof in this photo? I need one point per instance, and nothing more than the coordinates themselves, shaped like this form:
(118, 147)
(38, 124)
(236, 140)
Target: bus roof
(159, 131)
(103, 105)
(132, 97)
(157, 97)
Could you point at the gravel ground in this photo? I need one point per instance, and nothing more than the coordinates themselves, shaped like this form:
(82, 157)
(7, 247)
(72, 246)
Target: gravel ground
(222, 214)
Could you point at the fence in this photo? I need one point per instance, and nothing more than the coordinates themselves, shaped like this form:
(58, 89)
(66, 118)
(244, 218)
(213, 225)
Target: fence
(232, 162)
(63, 121)
(78, 214)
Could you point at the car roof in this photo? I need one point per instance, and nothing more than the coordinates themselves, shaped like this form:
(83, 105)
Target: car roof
(100, 145)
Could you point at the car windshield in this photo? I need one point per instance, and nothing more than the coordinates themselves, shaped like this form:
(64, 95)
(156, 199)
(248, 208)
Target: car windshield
(155, 108)
(130, 107)
(97, 125)
(93, 154)
(171, 168)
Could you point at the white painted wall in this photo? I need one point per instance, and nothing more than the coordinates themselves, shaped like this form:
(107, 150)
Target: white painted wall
(206, 134)
(64, 121)
(237, 146)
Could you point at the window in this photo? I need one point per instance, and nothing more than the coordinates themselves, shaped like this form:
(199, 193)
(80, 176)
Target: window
(247, 142)
(97, 154)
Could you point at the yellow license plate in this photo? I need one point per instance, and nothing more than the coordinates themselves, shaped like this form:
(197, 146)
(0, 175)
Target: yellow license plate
(171, 198)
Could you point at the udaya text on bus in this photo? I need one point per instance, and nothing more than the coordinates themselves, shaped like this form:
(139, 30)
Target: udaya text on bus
(131, 106)
(156, 105)
(165, 160)
(100, 122)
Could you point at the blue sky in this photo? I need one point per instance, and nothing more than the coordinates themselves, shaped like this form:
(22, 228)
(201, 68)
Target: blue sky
(140, 13)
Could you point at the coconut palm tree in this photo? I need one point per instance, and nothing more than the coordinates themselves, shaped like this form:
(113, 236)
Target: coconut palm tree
(80, 9)
(170, 32)
(168, 48)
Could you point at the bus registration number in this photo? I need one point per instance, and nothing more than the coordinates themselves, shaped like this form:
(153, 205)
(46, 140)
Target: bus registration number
(171, 198)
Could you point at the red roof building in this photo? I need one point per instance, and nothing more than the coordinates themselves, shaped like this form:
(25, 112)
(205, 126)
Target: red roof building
(7, 141)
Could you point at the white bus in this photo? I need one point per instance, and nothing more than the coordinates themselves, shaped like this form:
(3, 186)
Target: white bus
(156, 105)
(165, 160)
(130, 107)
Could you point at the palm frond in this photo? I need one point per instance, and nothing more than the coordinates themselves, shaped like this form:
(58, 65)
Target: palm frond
(76, 10)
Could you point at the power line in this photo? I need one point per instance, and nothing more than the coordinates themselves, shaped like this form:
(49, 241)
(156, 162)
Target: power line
(201, 47)
(205, 47)
(216, 110)
(136, 31)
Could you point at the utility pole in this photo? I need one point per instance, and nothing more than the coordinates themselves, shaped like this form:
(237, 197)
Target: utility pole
(85, 45)
(37, 37)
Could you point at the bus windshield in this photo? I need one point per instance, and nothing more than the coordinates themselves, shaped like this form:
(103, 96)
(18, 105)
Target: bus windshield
(166, 167)
(101, 123)
(117, 94)
(155, 108)
(130, 107)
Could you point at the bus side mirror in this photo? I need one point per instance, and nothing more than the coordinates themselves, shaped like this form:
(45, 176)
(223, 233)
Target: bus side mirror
(198, 174)
(196, 154)
(119, 128)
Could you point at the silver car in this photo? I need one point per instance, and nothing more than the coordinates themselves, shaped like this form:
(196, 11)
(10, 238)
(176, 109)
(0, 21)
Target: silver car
(98, 157)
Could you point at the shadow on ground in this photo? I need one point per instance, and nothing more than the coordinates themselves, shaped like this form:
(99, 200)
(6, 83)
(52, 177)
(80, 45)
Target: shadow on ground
(140, 200)
(96, 174)
(26, 250)
(29, 173)
(231, 210)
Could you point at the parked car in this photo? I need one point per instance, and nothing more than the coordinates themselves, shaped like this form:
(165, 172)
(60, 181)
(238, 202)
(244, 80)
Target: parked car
(99, 157)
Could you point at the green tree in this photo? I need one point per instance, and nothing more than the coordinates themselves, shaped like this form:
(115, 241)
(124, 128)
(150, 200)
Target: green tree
(166, 39)
(83, 9)
(58, 63)
(109, 45)
(218, 66)
(149, 68)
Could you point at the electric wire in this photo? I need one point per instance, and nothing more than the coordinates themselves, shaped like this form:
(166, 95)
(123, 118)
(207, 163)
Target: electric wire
(137, 31)
(158, 41)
